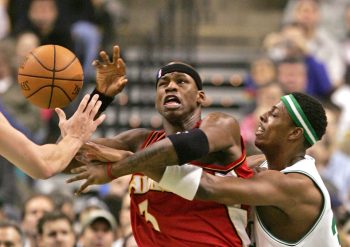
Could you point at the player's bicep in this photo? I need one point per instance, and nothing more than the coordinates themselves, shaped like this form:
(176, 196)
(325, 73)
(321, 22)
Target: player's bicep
(129, 140)
(221, 130)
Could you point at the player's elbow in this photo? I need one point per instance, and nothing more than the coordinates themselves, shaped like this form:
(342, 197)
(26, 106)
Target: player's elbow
(45, 172)
(206, 191)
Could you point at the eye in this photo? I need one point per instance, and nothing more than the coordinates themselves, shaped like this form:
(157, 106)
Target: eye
(161, 83)
(180, 81)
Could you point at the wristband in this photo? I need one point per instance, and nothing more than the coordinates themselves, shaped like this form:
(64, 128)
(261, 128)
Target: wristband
(190, 145)
(106, 100)
(182, 180)
(109, 171)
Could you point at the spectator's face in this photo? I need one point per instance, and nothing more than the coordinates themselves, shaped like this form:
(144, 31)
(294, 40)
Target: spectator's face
(57, 233)
(98, 234)
(307, 13)
(263, 71)
(34, 210)
(9, 237)
(292, 77)
(25, 44)
(43, 14)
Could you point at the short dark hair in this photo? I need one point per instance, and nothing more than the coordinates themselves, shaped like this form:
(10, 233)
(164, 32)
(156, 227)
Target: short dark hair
(314, 111)
(52, 216)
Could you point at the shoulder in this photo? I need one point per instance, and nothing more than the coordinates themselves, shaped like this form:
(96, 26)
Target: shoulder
(220, 118)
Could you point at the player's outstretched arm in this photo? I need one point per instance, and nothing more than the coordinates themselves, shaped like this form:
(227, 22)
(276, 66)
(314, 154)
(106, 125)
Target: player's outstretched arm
(163, 153)
(46, 160)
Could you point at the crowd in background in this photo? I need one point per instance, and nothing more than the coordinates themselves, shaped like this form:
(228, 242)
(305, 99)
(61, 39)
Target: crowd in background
(307, 54)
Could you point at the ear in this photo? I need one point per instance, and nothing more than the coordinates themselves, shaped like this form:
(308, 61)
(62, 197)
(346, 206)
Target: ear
(296, 133)
(201, 97)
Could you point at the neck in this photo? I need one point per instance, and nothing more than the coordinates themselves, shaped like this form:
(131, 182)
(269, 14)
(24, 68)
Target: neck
(279, 160)
(172, 126)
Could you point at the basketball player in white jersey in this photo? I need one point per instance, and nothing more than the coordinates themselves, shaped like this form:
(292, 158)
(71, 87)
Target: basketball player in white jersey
(292, 204)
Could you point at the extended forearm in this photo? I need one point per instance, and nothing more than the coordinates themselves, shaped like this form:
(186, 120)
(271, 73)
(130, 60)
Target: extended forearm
(160, 154)
(57, 157)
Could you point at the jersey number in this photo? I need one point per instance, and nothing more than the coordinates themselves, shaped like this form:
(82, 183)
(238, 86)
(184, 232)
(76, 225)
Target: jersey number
(143, 207)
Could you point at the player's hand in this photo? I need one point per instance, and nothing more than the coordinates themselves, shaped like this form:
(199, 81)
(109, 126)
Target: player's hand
(93, 174)
(110, 75)
(97, 152)
(82, 124)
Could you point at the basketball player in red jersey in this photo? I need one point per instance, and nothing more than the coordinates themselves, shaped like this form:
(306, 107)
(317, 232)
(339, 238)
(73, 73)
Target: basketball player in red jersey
(159, 217)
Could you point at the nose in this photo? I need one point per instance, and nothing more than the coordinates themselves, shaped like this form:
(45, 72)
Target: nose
(263, 117)
(171, 85)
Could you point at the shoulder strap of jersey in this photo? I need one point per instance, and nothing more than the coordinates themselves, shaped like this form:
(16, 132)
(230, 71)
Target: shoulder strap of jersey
(224, 168)
(153, 137)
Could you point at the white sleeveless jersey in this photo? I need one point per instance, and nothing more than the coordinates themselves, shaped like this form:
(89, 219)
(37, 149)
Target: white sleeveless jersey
(323, 232)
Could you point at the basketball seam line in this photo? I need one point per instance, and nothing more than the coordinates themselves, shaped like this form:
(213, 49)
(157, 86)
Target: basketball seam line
(37, 59)
(47, 77)
(52, 90)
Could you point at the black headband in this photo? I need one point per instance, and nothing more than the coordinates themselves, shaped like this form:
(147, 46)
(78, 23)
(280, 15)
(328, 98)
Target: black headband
(180, 67)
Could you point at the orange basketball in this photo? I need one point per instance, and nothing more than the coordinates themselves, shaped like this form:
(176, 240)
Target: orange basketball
(50, 76)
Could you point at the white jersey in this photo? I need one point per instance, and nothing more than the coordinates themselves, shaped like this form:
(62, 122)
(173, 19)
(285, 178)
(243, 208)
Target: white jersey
(323, 232)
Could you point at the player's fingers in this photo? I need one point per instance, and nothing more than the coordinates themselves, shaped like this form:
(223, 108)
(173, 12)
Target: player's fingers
(91, 104)
(95, 109)
(104, 57)
(96, 64)
(83, 103)
(100, 119)
(82, 187)
(116, 53)
(77, 178)
(79, 169)
(121, 66)
(61, 114)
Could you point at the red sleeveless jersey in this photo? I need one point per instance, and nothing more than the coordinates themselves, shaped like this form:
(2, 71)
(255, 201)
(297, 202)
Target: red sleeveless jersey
(161, 218)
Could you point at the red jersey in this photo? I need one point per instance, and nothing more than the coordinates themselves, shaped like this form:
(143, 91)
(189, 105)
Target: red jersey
(161, 218)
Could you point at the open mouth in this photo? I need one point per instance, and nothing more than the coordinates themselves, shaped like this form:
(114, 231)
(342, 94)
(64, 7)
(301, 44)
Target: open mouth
(172, 100)
(260, 130)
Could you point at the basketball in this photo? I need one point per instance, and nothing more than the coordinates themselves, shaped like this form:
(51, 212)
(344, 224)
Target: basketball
(50, 76)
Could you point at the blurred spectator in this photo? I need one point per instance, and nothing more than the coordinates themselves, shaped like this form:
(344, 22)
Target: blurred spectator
(290, 44)
(4, 19)
(331, 12)
(55, 229)
(33, 209)
(43, 19)
(124, 229)
(338, 170)
(262, 71)
(129, 241)
(323, 150)
(16, 105)
(320, 43)
(64, 202)
(11, 234)
(292, 75)
(98, 229)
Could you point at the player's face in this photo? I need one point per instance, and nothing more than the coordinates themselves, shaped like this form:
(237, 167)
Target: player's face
(58, 233)
(177, 95)
(273, 128)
